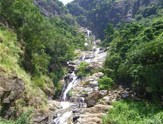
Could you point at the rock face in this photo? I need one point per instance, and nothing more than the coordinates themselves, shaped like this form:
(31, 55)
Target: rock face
(11, 88)
(97, 14)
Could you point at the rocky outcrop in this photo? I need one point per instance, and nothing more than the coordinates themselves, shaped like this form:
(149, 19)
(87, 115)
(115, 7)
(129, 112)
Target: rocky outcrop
(11, 89)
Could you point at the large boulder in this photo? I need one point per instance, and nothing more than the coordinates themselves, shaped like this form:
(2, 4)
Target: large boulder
(92, 98)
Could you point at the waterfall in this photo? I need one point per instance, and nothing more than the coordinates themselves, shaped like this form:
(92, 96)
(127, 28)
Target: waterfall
(61, 119)
(83, 57)
(73, 81)
(88, 33)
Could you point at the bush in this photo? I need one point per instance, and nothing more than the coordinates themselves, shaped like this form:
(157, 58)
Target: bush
(83, 69)
(135, 57)
(132, 112)
(105, 83)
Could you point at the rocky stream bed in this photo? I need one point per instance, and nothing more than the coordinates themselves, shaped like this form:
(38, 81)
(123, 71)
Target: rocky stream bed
(87, 104)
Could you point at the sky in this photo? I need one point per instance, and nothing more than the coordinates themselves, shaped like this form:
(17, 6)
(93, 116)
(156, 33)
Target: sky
(65, 1)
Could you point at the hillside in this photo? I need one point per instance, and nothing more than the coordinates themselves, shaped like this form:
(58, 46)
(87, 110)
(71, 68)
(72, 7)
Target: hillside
(33, 55)
(54, 71)
(51, 7)
(97, 14)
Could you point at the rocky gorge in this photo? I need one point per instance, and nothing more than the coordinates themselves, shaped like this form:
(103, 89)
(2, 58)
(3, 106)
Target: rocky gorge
(81, 100)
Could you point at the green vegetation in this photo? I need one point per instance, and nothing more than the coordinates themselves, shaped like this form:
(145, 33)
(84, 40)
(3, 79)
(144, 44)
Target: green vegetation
(51, 7)
(10, 51)
(137, 61)
(35, 49)
(23, 119)
(5, 122)
(97, 14)
(47, 43)
(105, 83)
(83, 69)
(134, 112)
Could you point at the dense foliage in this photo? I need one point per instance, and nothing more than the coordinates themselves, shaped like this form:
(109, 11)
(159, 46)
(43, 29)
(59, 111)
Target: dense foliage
(135, 55)
(51, 8)
(134, 112)
(47, 43)
(105, 83)
(97, 14)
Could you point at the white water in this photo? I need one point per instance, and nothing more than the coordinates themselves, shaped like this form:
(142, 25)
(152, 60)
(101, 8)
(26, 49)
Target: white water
(88, 33)
(65, 105)
(62, 119)
(98, 56)
(70, 85)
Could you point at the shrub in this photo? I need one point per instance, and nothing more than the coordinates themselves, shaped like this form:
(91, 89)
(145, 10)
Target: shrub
(83, 69)
(132, 112)
(105, 83)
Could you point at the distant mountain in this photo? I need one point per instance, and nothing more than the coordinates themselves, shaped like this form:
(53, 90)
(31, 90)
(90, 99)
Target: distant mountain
(51, 7)
(97, 14)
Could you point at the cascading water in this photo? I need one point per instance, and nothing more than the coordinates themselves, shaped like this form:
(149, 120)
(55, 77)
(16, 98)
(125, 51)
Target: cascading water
(88, 33)
(74, 79)
(71, 80)
(63, 118)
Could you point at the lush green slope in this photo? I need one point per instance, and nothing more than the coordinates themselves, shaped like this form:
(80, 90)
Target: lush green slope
(10, 55)
(35, 49)
(46, 41)
(138, 59)
(135, 56)
(135, 60)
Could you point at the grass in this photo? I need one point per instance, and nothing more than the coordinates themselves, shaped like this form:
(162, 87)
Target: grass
(134, 112)
(23, 119)
(10, 51)
(5, 122)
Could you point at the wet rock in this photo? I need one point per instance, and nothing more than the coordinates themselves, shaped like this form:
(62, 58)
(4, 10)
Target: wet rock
(92, 98)
(103, 92)
(71, 68)
(76, 117)
(89, 56)
(107, 99)
(88, 90)
(54, 105)
(93, 84)
(91, 102)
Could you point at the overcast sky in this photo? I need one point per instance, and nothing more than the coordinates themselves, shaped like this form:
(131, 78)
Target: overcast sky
(66, 1)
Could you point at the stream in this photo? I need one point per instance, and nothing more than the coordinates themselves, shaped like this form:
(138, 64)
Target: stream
(71, 106)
